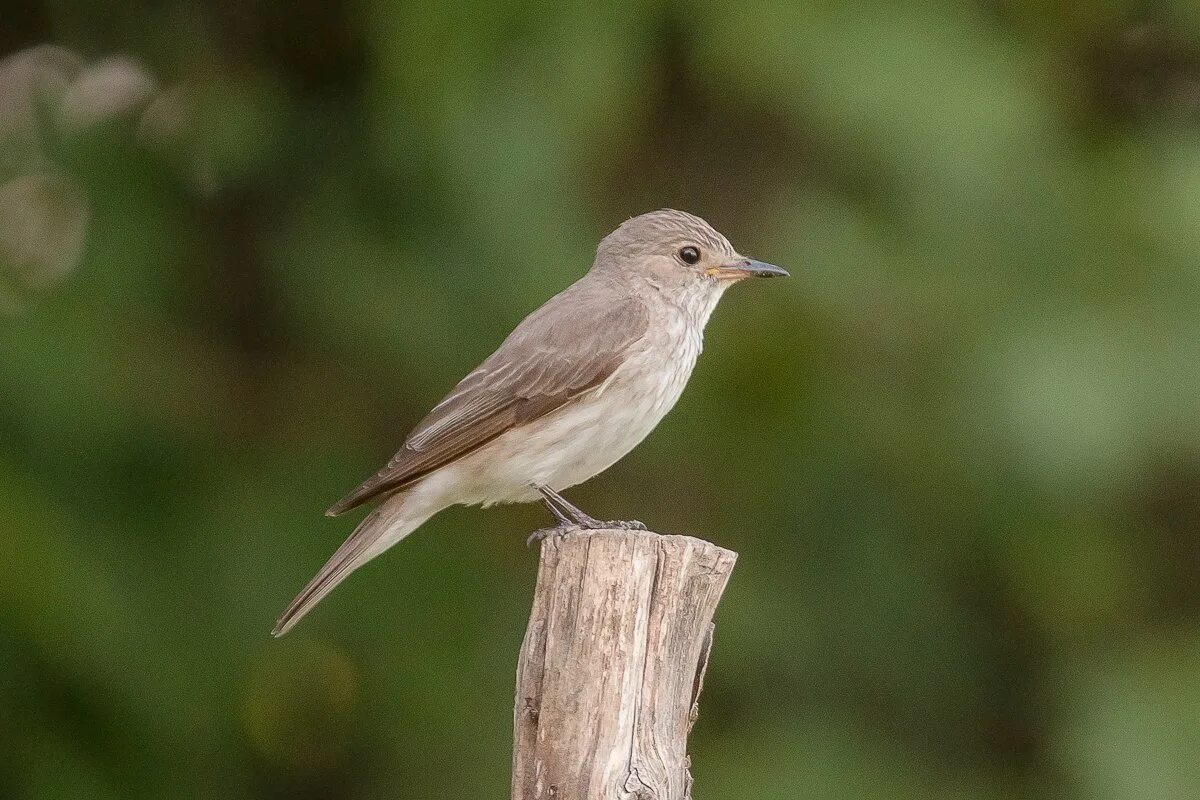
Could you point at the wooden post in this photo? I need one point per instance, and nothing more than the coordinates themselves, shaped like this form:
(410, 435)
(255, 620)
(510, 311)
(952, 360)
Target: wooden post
(612, 665)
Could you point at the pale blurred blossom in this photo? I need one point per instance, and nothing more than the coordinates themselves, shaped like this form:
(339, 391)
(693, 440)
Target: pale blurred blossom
(48, 94)
(109, 89)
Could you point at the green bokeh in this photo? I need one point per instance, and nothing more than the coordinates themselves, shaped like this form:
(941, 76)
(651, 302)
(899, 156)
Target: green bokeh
(958, 452)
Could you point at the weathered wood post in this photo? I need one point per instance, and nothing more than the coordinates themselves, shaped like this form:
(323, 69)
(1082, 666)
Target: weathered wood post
(612, 665)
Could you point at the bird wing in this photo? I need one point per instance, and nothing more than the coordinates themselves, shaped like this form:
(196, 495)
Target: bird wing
(556, 354)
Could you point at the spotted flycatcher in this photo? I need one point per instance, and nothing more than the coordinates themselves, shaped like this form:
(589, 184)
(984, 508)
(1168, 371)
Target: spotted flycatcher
(577, 385)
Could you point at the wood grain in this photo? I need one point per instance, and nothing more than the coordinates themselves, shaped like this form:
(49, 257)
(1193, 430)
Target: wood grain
(612, 665)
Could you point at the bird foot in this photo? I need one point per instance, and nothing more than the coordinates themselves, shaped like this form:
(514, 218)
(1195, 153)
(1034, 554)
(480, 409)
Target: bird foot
(561, 529)
(617, 524)
(564, 528)
(571, 515)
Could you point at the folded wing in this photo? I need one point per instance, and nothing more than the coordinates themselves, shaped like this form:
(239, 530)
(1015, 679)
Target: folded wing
(563, 350)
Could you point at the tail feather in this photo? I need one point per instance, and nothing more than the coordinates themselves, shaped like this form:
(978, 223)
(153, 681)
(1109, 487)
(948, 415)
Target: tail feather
(378, 531)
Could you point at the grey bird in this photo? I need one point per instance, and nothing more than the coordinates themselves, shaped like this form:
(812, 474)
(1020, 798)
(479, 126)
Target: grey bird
(577, 385)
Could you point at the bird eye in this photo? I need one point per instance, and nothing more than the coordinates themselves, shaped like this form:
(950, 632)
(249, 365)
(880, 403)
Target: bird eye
(689, 255)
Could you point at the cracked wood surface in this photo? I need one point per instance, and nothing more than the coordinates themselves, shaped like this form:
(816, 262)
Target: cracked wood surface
(612, 665)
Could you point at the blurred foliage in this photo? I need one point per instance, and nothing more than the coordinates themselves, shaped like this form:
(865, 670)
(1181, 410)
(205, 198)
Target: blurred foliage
(244, 246)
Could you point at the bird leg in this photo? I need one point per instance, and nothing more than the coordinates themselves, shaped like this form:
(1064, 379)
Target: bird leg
(566, 523)
(557, 506)
(565, 512)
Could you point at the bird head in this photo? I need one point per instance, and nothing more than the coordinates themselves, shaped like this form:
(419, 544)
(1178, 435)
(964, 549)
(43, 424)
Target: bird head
(677, 252)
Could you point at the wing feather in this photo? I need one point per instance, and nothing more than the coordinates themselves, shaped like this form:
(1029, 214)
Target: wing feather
(555, 355)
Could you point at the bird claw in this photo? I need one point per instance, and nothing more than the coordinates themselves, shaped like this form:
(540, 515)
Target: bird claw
(546, 533)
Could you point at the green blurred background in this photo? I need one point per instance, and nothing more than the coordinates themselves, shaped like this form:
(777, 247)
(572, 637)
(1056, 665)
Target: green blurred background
(247, 245)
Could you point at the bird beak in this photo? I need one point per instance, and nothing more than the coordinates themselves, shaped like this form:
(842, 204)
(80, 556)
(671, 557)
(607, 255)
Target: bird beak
(746, 268)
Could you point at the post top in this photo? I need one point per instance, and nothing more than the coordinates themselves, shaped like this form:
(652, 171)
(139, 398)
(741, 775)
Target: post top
(673, 542)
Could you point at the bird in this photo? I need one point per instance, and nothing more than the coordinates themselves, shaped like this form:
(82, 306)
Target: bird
(579, 383)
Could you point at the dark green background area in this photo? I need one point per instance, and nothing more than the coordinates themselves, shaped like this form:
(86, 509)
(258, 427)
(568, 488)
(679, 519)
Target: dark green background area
(958, 451)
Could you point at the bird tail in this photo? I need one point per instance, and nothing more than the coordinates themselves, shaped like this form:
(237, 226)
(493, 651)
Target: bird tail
(379, 530)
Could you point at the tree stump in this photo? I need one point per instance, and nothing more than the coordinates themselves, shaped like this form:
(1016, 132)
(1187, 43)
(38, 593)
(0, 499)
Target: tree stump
(612, 665)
